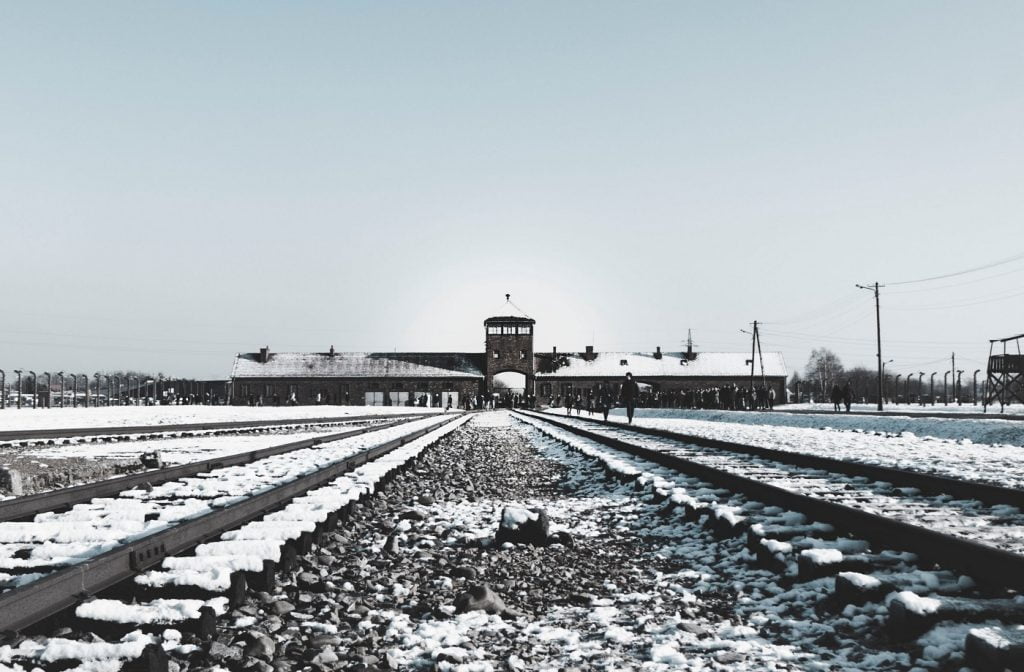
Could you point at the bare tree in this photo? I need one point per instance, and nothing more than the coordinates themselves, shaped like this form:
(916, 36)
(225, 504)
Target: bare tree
(824, 369)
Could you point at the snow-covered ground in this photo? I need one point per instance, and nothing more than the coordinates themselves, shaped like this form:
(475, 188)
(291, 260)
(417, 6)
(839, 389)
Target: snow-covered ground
(881, 441)
(991, 431)
(172, 451)
(130, 416)
(911, 409)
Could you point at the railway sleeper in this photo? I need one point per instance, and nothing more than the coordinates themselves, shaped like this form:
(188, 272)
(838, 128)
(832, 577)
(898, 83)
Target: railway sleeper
(911, 615)
(995, 648)
(853, 587)
(817, 566)
(202, 622)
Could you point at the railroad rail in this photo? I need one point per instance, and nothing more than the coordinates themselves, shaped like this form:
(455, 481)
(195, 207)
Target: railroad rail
(815, 498)
(23, 507)
(54, 592)
(69, 433)
(927, 483)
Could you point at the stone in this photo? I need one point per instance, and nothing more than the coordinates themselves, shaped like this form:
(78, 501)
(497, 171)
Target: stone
(412, 514)
(223, 652)
(425, 500)
(259, 645)
(465, 573)
(480, 597)
(523, 526)
(11, 481)
(326, 656)
(152, 460)
(309, 581)
(280, 607)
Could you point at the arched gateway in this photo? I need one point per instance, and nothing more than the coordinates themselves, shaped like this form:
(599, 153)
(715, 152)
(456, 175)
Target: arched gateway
(508, 347)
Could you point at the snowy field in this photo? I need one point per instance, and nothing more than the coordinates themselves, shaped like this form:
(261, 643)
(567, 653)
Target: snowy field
(911, 409)
(127, 416)
(993, 432)
(981, 450)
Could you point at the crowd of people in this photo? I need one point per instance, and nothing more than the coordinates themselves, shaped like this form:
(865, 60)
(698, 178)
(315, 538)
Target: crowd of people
(730, 397)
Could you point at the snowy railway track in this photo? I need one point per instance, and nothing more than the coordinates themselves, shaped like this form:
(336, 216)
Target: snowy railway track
(242, 523)
(930, 579)
(32, 436)
(888, 503)
(19, 508)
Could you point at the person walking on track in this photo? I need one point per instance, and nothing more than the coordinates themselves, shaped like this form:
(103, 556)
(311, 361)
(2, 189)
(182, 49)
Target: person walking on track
(629, 394)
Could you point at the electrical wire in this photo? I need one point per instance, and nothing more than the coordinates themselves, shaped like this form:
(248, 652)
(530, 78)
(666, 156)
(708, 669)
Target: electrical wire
(987, 278)
(946, 306)
(959, 273)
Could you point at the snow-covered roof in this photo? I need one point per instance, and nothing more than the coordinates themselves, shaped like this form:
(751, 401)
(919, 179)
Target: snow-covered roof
(359, 365)
(646, 365)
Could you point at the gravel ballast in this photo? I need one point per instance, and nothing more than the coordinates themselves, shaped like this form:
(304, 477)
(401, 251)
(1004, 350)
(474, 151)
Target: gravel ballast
(414, 580)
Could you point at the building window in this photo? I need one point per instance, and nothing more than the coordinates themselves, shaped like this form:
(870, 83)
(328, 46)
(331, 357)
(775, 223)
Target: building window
(493, 330)
(496, 354)
(522, 354)
(525, 330)
(545, 390)
(623, 362)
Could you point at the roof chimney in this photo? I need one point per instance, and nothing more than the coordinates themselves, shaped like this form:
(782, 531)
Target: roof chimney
(589, 356)
(264, 354)
(331, 353)
(554, 351)
(657, 353)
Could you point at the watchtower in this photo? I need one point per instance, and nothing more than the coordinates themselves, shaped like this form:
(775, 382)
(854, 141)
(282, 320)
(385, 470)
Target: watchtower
(508, 346)
(1005, 374)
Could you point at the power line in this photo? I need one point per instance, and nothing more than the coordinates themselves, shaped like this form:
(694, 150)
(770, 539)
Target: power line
(964, 272)
(958, 285)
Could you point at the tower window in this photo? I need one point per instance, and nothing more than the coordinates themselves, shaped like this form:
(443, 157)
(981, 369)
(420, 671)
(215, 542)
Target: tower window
(493, 330)
(496, 354)
(522, 354)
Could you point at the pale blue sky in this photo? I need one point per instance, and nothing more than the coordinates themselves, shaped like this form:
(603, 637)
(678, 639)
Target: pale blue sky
(181, 181)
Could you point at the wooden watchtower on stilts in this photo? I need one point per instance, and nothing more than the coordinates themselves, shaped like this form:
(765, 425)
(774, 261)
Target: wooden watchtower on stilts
(1005, 374)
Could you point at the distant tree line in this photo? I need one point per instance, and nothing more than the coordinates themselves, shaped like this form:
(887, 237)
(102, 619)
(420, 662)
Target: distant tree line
(824, 369)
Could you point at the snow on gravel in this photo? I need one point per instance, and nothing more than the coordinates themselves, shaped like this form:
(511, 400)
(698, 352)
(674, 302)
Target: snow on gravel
(129, 416)
(962, 458)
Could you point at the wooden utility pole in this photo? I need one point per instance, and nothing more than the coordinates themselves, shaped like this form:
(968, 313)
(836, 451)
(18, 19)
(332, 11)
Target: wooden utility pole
(753, 347)
(878, 333)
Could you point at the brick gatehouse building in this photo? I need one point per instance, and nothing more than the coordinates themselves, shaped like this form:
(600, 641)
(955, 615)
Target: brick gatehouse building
(508, 366)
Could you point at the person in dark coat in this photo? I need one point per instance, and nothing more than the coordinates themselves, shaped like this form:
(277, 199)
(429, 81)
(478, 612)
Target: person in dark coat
(629, 395)
(604, 403)
(848, 396)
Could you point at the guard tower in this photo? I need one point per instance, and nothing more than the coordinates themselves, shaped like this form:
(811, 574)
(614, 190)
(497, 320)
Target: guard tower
(1005, 374)
(508, 346)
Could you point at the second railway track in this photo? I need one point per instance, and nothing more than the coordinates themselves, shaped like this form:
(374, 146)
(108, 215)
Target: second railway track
(924, 571)
(58, 558)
